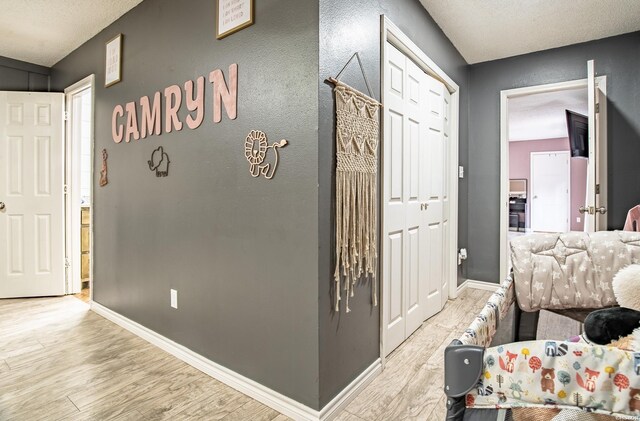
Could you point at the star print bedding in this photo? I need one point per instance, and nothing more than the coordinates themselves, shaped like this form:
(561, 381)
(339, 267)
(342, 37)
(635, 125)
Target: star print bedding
(554, 374)
(570, 270)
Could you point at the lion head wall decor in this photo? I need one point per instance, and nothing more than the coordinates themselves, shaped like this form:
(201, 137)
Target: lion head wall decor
(263, 158)
(159, 162)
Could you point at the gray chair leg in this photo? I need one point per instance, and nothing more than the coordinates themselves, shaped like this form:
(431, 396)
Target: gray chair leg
(525, 324)
(455, 408)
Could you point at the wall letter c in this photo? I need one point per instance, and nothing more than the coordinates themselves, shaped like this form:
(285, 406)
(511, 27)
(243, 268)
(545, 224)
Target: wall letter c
(117, 129)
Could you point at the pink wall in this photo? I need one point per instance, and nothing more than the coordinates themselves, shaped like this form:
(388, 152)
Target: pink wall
(578, 191)
(520, 167)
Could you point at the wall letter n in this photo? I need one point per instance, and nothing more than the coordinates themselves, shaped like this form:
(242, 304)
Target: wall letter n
(223, 94)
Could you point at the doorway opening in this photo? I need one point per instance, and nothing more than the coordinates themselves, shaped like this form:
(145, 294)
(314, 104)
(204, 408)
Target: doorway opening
(546, 184)
(79, 103)
(553, 177)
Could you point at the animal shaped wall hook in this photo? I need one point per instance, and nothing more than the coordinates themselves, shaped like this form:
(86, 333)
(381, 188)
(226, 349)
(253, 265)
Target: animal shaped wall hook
(159, 162)
(256, 150)
(103, 171)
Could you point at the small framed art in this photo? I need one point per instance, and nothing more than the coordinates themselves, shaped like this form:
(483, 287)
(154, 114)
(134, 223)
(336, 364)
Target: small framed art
(232, 16)
(113, 61)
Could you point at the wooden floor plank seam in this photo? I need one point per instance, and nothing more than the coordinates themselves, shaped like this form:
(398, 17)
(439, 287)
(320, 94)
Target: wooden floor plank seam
(73, 403)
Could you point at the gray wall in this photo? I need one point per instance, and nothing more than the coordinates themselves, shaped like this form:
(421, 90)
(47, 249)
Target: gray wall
(350, 342)
(619, 59)
(253, 259)
(16, 75)
(242, 252)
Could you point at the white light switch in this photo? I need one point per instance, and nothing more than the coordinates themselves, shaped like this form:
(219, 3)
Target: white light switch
(174, 298)
(578, 219)
(460, 171)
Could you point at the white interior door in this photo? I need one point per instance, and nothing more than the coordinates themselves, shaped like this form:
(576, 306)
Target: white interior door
(596, 203)
(433, 171)
(550, 191)
(413, 172)
(31, 188)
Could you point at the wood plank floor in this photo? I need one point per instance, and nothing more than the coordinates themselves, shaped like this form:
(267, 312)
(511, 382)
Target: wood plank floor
(411, 386)
(60, 361)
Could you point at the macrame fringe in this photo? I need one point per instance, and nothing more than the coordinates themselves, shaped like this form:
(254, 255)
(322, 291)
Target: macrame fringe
(356, 192)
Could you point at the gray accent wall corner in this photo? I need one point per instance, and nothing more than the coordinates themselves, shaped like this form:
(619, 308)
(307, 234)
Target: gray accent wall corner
(16, 75)
(349, 343)
(619, 59)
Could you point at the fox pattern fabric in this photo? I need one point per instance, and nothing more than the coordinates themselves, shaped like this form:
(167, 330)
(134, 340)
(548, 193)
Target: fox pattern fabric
(560, 375)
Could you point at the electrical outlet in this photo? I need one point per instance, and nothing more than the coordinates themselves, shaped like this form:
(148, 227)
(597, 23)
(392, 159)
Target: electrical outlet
(460, 171)
(462, 255)
(174, 298)
(578, 220)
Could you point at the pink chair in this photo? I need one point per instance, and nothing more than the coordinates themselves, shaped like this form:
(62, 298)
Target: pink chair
(633, 220)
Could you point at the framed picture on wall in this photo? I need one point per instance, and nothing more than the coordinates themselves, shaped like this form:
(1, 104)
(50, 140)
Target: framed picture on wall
(232, 16)
(113, 61)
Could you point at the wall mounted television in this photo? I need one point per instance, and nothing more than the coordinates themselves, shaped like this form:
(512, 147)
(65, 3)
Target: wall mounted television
(578, 128)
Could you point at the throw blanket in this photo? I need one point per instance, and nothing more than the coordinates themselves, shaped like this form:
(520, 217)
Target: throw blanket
(554, 374)
(570, 270)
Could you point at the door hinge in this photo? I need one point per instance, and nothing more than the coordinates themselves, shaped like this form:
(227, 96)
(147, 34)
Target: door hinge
(65, 189)
(597, 108)
(67, 263)
(597, 188)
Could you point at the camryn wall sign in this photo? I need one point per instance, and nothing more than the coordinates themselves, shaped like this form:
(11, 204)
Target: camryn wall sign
(125, 124)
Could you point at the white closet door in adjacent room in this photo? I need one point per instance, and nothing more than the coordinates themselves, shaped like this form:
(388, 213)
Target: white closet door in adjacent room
(550, 191)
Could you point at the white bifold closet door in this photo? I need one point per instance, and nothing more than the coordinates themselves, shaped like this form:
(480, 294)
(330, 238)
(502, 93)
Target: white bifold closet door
(415, 236)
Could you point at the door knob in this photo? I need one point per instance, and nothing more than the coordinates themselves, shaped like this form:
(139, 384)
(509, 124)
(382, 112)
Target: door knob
(2, 206)
(601, 210)
(582, 209)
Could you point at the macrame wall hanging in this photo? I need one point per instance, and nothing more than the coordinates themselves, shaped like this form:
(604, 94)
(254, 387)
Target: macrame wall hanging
(357, 133)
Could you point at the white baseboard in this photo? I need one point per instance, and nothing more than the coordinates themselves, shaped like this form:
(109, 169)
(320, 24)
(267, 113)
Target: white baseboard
(461, 288)
(251, 388)
(470, 283)
(340, 402)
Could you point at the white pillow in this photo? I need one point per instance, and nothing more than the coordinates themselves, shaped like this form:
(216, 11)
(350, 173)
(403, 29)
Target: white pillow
(626, 287)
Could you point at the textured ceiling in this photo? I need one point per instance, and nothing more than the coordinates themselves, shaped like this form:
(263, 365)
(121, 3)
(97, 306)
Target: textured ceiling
(485, 30)
(45, 31)
(542, 116)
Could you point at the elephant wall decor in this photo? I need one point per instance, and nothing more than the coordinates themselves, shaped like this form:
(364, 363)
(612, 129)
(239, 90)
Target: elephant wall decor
(159, 162)
(256, 150)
